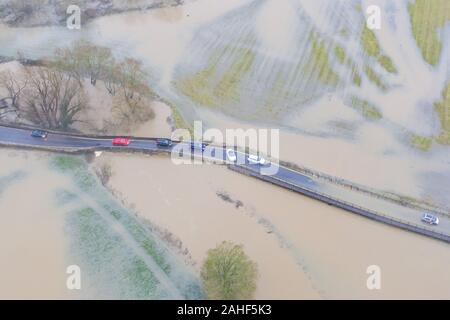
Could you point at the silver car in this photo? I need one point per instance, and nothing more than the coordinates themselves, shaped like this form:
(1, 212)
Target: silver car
(430, 219)
(231, 155)
(256, 160)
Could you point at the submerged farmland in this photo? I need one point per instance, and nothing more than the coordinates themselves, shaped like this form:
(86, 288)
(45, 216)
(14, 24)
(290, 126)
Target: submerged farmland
(118, 251)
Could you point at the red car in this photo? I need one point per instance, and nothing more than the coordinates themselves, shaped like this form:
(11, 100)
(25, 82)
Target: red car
(121, 141)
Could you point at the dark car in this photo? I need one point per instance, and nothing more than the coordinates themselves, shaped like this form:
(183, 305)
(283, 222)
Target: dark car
(163, 142)
(198, 146)
(39, 134)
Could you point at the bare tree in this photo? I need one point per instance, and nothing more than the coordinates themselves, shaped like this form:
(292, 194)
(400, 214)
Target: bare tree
(14, 88)
(53, 99)
(128, 77)
(84, 59)
(130, 111)
(131, 104)
(133, 79)
(112, 79)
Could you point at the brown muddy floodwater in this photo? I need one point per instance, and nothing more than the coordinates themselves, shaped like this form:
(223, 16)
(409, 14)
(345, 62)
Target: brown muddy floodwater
(303, 248)
(32, 240)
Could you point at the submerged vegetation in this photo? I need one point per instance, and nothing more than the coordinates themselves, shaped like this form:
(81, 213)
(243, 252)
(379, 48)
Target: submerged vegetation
(209, 87)
(375, 78)
(367, 109)
(119, 251)
(372, 47)
(227, 87)
(427, 17)
(356, 77)
(421, 143)
(443, 109)
(370, 42)
(387, 64)
(197, 86)
(340, 54)
(318, 64)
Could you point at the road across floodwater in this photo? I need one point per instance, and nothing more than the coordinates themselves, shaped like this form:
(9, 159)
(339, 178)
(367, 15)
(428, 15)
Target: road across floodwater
(342, 197)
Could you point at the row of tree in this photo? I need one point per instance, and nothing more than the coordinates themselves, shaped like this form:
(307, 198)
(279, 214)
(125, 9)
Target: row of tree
(53, 95)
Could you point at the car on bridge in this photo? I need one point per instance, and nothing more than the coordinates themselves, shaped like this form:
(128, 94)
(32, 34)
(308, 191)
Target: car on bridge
(198, 146)
(163, 142)
(430, 219)
(121, 142)
(253, 159)
(39, 134)
(231, 155)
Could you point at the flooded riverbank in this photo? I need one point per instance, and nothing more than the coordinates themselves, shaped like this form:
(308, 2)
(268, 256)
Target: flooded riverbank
(55, 214)
(304, 249)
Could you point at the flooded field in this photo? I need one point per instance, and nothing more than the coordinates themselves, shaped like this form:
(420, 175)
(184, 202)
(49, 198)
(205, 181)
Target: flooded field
(303, 248)
(364, 98)
(365, 106)
(55, 213)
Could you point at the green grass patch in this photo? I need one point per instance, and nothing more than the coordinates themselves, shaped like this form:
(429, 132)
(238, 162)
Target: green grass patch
(197, 86)
(68, 163)
(277, 92)
(372, 48)
(77, 166)
(103, 249)
(370, 42)
(228, 85)
(443, 110)
(443, 138)
(356, 77)
(367, 109)
(107, 260)
(179, 121)
(340, 54)
(319, 65)
(427, 16)
(110, 258)
(209, 87)
(387, 64)
(375, 78)
(141, 235)
(421, 143)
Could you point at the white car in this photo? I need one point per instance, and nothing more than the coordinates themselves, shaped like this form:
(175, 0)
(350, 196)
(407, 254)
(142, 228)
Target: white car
(231, 155)
(256, 160)
(430, 219)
